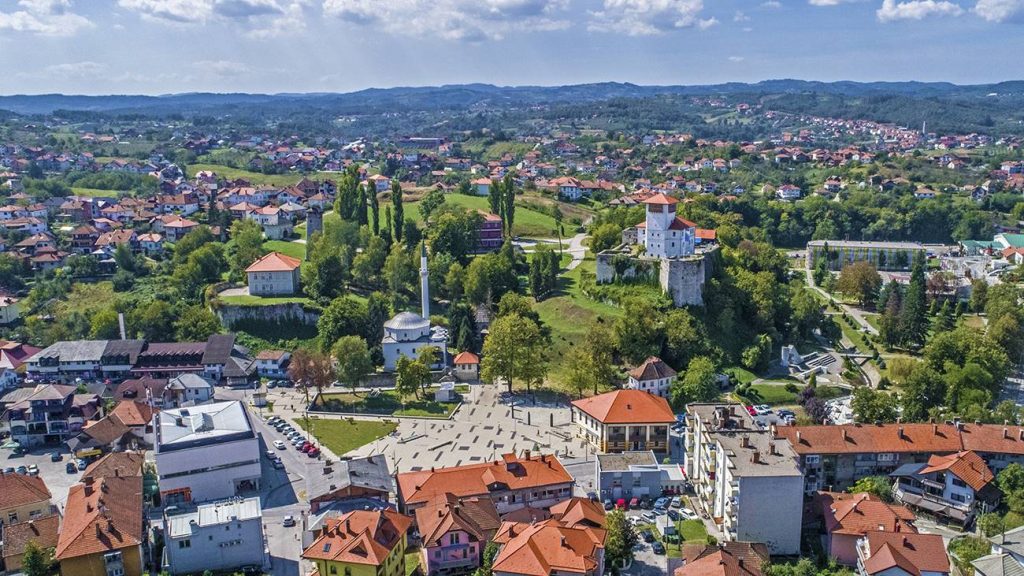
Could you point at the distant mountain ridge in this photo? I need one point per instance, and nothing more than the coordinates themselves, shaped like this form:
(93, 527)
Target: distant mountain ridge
(460, 96)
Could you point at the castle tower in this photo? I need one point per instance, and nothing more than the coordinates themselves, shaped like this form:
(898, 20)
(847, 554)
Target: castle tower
(424, 282)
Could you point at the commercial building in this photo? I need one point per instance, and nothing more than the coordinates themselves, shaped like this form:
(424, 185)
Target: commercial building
(225, 535)
(624, 421)
(512, 483)
(206, 453)
(757, 477)
(882, 255)
(51, 415)
(274, 275)
(635, 475)
(103, 530)
(361, 543)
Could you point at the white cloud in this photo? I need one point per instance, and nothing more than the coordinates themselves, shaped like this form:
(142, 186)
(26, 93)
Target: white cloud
(268, 17)
(829, 2)
(222, 68)
(739, 16)
(892, 10)
(648, 17)
(77, 70)
(470, 20)
(999, 10)
(771, 4)
(736, 58)
(44, 17)
(171, 10)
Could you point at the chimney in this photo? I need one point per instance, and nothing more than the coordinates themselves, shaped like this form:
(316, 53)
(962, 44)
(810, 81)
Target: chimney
(755, 457)
(745, 441)
(526, 454)
(1006, 433)
(440, 513)
(900, 433)
(845, 439)
(740, 562)
(771, 448)
(935, 429)
(563, 542)
(798, 436)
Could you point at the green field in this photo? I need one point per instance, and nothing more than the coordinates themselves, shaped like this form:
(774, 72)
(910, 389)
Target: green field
(388, 403)
(95, 192)
(293, 249)
(343, 436)
(775, 394)
(255, 177)
(248, 300)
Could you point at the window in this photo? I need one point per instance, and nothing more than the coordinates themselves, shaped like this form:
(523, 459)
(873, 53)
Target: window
(959, 482)
(184, 543)
(958, 497)
(334, 569)
(12, 517)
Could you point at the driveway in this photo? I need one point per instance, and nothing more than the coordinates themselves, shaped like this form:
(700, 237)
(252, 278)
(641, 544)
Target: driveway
(577, 250)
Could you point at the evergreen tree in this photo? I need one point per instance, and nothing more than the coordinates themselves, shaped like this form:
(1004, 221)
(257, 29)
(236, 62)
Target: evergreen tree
(398, 216)
(374, 209)
(494, 197)
(914, 314)
(509, 203)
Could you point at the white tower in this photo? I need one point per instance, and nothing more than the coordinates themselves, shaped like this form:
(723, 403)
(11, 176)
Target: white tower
(424, 283)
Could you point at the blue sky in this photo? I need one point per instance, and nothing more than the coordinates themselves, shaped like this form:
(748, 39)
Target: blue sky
(165, 46)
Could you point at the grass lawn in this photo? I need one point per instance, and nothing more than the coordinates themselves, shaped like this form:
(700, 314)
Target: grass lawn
(773, 395)
(293, 249)
(343, 436)
(389, 403)
(692, 531)
(742, 374)
(254, 177)
(689, 531)
(248, 300)
(94, 192)
(412, 561)
(872, 319)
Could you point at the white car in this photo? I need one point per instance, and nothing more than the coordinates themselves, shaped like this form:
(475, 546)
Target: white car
(279, 445)
(289, 521)
(688, 514)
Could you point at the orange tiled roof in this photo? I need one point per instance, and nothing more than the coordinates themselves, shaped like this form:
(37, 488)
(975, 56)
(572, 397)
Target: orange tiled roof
(479, 479)
(724, 559)
(914, 553)
(547, 547)
(133, 413)
(967, 466)
(466, 358)
(475, 516)
(274, 262)
(102, 516)
(43, 531)
(579, 512)
(661, 199)
(116, 464)
(915, 438)
(859, 514)
(653, 368)
(627, 407)
(359, 537)
(20, 489)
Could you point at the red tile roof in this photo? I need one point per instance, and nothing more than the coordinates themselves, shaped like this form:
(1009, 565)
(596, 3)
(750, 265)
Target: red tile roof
(724, 559)
(476, 516)
(661, 199)
(967, 466)
(915, 438)
(102, 516)
(360, 537)
(859, 514)
(913, 553)
(42, 531)
(274, 262)
(21, 489)
(653, 368)
(627, 407)
(479, 479)
(466, 358)
(546, 548)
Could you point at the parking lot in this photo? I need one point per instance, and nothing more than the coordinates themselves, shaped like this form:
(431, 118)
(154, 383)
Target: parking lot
(647, 559)
(55, 474)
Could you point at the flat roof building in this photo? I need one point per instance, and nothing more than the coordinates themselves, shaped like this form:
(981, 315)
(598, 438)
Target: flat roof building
(221, 536)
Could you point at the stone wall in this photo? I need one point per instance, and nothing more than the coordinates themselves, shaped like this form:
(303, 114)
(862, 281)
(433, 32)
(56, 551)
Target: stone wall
(294, 312)
(681, 278)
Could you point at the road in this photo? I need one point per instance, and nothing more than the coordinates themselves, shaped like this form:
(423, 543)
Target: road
(577, 250)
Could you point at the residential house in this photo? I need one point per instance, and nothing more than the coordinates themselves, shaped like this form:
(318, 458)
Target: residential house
(379, 182)
(482, 186)
(956, 486)
(467, 366)
(206, 453)
(512, 483)
(42, 531)
(116, 464)
(357, 479)
(490, 233)
(654, 376)
(724, 559)
(83, 239)
(178, 227)
(624, 420)
(361, 543)
(454, 533)
(127, 427)
(901, 554)
(144, 389)
(103, 528)
(51, 415)
(219, 536)
(549, 547)
(10, 310)
(187, 390)
(1006, 557)
(273, 363)
(23, 497)
(274, 275)
(788, 192)
(151, 243)
(849, 517)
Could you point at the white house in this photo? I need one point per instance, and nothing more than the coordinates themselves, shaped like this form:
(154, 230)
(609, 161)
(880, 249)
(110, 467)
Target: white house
(273, 275)
(482, 186)
(654, 376)
(788, 192)
(663, 234)
(273, 363)
(222, 536)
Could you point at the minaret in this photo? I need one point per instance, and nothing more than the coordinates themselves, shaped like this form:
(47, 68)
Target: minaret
(424, 282)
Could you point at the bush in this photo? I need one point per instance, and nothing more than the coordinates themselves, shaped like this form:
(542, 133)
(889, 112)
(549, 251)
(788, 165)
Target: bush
(792, 388)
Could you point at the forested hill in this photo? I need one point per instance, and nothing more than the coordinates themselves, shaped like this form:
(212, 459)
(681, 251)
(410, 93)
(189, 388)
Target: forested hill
(470, 95)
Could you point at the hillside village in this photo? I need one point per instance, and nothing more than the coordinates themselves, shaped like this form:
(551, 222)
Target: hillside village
(555, 350)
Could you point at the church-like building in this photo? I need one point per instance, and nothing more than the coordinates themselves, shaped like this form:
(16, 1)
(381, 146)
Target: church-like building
(407, 332)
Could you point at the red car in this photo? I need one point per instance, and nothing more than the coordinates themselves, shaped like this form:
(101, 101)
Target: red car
(620, 504)
(313, 452)
(306, 447)
(751, 410)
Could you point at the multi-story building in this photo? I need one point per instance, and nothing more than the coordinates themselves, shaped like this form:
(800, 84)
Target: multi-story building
(103, 530)
(22, 497)
(723, 559)
(205, 453)
(849, 517)
(703, 423)
(561, 547)
(273, 363)
(490, 232)
(455, 531)
(274, 275)
(834, 457)
(882, 255)
(51, 415)
(221, 536)
(511, 483)
(663, 233)
(627, 475)
(756, 477)
(654, 376)
(361, 543)
(955, 486)
(624, 421)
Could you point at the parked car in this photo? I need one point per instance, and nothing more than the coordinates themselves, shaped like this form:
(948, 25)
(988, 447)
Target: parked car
(22, 470)
(33, 470)
(607, 503)
(677, 502)
(646, 503)
(620, 504)
(786, 413)
(658, 547)
(289, 521)
(279, 445)
(271, 455)
(10, 470)
(278, 464)
(56, 457)
(751, 410)
(674, 516)
(82, 464)
(661, 503)
(647, 536)
(648, 517)
(688, 514)
(315, 452)
(70, 467)
(634, 503)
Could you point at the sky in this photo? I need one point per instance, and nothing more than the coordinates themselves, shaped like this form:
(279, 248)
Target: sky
(271, 46)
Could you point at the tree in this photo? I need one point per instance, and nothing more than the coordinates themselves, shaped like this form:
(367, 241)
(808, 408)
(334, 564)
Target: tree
(494, 197)
(323, 277)
(581, 375)
(353, 358)
(196, 324)
(509, 203)
(914, 314)
(455, 233)
(979, 294)
(431, 202)
(248, 238)
(879, 486)
(398, 214)
(191, 242)
(514, 350)
(345, 316)
(638, 332)
(807, 314)
(374, 209)
(922, 390)
(556, 213)
(698, 384)
(487, 561)
(605, 236)
(155, 322)
(105, 325)
(309, 369)
(872, 406)
(620, 538)
(411, 376)
(990, 524)
(36, 561)
(860, 280)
